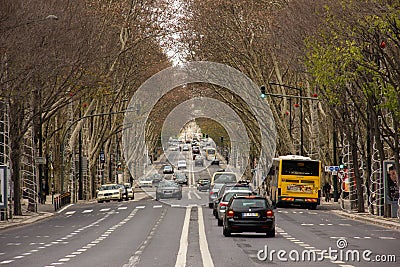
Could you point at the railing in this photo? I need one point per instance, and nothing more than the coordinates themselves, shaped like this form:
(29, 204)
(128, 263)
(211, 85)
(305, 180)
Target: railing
(62, 200)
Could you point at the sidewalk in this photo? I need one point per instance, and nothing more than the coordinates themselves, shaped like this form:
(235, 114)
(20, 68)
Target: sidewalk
(393, 223)
(43, 211)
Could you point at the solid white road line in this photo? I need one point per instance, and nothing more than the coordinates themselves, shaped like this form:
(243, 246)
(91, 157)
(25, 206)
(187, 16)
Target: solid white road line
(189, 194)
(181, 258)
(205, 253)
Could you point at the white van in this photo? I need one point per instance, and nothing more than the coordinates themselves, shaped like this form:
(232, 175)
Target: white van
(181, 164)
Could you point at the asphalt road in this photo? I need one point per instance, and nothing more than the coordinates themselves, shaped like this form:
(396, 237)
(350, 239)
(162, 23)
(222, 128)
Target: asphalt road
(183, 232)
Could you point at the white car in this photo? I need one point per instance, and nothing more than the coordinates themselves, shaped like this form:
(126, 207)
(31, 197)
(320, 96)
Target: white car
(145, 182)
(109, 192)
(181, 164)
(129, 190)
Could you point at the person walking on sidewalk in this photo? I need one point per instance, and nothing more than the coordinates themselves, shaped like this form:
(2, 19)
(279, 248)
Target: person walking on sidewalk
(327, 191)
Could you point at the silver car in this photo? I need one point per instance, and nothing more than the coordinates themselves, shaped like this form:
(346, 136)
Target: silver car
(223, 202)
(213, 194)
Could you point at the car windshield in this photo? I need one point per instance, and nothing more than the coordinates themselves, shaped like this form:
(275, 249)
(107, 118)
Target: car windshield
(225, 178)
(108, 187)
(241, 203)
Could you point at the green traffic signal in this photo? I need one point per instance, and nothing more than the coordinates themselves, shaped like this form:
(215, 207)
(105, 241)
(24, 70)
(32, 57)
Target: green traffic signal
(262, 89)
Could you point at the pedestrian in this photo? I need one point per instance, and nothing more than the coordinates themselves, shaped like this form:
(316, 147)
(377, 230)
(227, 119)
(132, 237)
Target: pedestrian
(327, 192)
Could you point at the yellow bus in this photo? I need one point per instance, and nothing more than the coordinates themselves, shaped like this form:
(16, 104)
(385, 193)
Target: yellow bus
(295, 180)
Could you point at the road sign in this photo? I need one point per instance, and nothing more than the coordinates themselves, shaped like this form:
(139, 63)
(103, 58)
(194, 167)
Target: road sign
(331, 168)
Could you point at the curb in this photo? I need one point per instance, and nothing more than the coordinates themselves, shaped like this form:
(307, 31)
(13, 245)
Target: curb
(370, 220)
(30, 219)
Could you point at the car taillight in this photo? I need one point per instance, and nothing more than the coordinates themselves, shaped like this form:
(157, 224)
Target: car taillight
(230, 214)
(270, 214)
(223, 204)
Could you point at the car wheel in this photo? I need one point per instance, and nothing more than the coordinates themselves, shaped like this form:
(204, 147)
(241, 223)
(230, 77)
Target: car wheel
(220, 222)
(226, 232)
(133, 196)
(271, 233)
(210, 205)
(179, 197)
(100, 201)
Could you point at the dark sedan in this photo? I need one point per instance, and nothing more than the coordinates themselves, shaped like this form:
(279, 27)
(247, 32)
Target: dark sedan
(203, 184)
(249, 214)
(181, 178)
(168, 189)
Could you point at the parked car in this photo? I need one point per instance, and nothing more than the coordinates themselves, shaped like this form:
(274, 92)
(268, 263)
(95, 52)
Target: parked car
(168, 169)
(224, 200)
(181, 178)
(108, 192)
(168, 189)
(129, 189)
(213, 194)
(181, 164)
(123, 191)
(203, 184)
(249, 214)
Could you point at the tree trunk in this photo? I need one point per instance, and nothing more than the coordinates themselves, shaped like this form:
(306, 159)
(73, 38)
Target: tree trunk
(15, 175)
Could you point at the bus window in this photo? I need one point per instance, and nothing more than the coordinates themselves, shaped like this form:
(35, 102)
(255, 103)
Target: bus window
(295, 167)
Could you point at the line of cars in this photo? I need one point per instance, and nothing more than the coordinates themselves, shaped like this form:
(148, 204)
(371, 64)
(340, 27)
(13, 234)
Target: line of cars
(116, 192)
(238, 208)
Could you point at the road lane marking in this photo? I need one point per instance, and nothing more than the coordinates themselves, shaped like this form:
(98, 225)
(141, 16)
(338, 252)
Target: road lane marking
(122, 208)
(70, 212)
(87, 211)
(157, 206)
(181, 258)
(140, 207)
(198, 197)
(106, 209)
(386, 237)
(189, 194)
(205, 253)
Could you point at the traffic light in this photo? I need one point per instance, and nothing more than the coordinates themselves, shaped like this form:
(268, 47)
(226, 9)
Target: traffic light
(222, 139)
(262, 89)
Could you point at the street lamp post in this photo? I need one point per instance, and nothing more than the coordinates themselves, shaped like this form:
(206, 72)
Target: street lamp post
(301, 109)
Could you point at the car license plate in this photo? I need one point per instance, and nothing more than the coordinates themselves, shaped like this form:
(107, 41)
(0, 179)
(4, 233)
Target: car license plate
(250, 214)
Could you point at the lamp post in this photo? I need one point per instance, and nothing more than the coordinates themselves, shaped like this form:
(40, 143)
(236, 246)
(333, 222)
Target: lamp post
(301, 110)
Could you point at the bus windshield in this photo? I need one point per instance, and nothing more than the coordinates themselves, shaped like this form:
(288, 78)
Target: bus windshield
(300, 167)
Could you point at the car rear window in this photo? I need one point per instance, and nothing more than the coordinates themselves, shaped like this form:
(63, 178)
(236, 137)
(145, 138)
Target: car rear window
(229, 195)
(249, 203)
